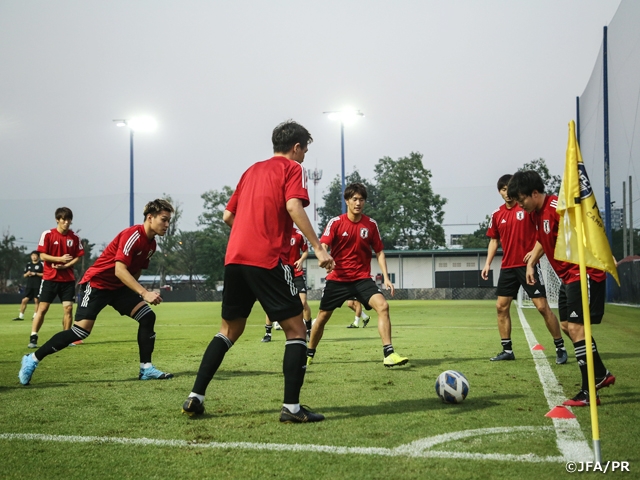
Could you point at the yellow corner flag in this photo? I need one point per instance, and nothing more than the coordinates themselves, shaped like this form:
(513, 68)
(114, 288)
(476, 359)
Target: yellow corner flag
(576, 189)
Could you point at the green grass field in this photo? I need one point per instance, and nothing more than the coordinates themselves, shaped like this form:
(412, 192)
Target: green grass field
(90, 403)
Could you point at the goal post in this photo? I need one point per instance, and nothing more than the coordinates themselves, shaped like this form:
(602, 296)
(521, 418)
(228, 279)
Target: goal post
(551, 284)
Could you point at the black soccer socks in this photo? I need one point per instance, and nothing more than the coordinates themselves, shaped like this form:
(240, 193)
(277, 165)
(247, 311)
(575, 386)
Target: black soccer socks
(61, 340)
(211, 360)
(294, 366)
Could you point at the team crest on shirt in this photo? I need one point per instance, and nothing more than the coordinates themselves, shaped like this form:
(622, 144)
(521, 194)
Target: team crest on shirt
(69, 242)
(520, 215)
(546, 227)
(364, 232)
(293, 241)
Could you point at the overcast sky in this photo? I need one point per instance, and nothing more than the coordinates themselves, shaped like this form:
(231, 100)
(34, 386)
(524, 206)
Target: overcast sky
(478, 87)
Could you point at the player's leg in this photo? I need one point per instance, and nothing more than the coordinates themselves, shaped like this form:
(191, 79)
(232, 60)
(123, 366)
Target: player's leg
(334, 295)
(381, 306)
(36, 323)
(317, 330)
(507, 289)
(67, 315)
(551, 321)
(572, 311)
(356, 306)
(268, 327)
(23, 307)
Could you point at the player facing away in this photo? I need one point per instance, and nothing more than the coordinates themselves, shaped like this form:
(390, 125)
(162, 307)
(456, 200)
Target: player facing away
(60, 249)
(512, 227)
(356, 306)
(33, 272)
(350, 237)
(113, 280)
(269, 198)
(296, 261)
(528, 188)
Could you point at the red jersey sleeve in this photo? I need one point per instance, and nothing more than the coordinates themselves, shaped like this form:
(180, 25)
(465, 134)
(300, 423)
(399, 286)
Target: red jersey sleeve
(492, 231)
(296, 184)
(376, 240)
(327, 235)
(127, 247)
(232, 206)
(43, 244)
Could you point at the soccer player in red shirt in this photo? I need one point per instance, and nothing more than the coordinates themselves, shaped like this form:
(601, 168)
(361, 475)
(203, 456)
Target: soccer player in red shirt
(296, 261)
(60, 249)
(269, 198)
(350, 238)
(513, 228)
(113, 280)
(528, 188)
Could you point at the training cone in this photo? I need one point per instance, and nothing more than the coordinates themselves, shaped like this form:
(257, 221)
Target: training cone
(560, 412)
(537, 346)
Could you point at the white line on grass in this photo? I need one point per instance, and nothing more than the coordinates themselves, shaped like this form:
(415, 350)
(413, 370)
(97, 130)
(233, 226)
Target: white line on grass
(569, 437)
(418, 449)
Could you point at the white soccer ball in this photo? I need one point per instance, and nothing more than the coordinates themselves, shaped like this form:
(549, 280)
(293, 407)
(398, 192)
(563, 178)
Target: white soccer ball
(452, 386)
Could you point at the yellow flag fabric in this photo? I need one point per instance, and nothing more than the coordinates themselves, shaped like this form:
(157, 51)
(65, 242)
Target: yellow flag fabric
(576, 186)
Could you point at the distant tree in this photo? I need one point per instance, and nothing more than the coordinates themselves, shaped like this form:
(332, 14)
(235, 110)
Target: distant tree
(478, 239)
(333, 198)
(212, 240)
(164, 260)
(86, 260)
(407, 210)
(551, 182)
(186, 254)
(12, 258)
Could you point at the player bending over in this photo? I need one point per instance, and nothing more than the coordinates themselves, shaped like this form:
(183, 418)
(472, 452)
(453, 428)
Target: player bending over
(513, 228)
(113, 280)
(350, 237)
(528, 188)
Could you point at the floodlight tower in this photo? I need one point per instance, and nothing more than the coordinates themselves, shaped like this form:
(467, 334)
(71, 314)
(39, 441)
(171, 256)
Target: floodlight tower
(316, 176)
(346, 116)
(140, 124)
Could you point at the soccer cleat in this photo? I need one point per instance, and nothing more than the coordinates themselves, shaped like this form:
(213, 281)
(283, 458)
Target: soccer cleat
(193, 406)
(26, 371)
(33, 341)
(277, 326)
(17, 319)
(152, 373)
(365, 322)
(266, 338)
(580, 400)
(394, 360)
(301, 416)
(353, 325)
(605, 381)
(309, 361)
(561, 356)
(503, 356)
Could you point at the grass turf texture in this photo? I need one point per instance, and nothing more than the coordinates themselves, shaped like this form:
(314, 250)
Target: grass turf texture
(92, 390)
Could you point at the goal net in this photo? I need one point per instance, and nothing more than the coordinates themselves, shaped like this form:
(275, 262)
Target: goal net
(551, 284)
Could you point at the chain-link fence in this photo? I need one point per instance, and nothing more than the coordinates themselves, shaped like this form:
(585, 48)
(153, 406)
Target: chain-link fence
(629, 289)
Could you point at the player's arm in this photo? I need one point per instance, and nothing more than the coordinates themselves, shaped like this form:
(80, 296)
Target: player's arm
(532, 258)
(51, 259)
(382, 261)
(130, 281)
(299, 217)
(298, 264)
(491, 253)
(228, 217)
(69, 264)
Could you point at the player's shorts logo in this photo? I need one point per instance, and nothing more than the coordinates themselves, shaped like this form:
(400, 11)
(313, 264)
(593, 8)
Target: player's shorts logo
(546, 227)
(520, 215)
(69, 242)
(364, 232)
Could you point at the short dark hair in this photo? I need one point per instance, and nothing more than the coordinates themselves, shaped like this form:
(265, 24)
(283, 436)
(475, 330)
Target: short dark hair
(503, 181)
(287, 134)
(35, 252)
(524, 183)
(354, 188)
(156, 206)
(64, 213)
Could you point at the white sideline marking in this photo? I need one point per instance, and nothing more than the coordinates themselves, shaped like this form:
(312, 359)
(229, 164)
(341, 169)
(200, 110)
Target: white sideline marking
(420, 448)
(569, 437)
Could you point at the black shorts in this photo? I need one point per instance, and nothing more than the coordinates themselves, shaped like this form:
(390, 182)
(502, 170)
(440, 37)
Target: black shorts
(31, 293)
(274, 289)
(49, 290)
(93, 300)
(300, 283)
(335, 293)
(570, 302)
(511, 279)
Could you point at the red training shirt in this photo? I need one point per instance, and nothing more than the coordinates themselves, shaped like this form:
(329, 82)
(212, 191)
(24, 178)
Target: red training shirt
(546, 222)
(262, 226)
(131, 247)
(351, 244)
(298, 244)
(54, 243)
(516, 232)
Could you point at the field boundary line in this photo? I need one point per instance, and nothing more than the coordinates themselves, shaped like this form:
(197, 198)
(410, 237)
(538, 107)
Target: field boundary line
(417, 449)
(569, 437)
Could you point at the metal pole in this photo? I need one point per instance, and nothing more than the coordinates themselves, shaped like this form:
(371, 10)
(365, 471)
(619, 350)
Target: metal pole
(130, 177)
(624, 220)
(631, 229)
(607, 184)
(344, 205)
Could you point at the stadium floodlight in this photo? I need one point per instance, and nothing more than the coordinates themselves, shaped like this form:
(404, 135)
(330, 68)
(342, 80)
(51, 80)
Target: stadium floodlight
(346, 116)
(137, 124)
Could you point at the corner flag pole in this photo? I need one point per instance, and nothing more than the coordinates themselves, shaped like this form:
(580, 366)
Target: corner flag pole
(584, 288)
